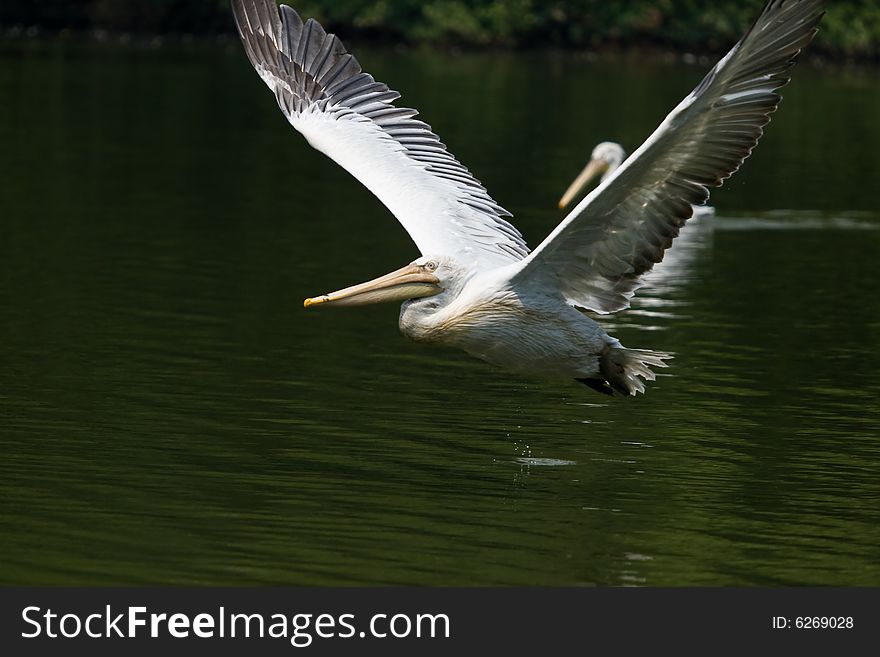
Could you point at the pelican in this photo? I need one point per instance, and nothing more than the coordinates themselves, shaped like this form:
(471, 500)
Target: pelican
(477, 286)
(604, 160)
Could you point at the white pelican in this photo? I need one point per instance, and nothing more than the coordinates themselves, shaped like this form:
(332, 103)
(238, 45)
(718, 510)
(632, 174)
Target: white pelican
(477, 286)
(604, 161)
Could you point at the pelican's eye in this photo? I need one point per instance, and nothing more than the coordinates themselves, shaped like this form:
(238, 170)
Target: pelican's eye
(431, 265)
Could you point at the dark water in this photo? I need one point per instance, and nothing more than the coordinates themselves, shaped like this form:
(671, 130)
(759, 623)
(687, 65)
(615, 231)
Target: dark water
(170, 414)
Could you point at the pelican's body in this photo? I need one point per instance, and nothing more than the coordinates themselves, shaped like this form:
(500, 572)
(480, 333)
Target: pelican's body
(477, 286)
(604, 161)
(530, 334)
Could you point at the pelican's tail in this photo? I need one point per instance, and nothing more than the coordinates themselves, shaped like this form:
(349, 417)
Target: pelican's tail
(621, 368)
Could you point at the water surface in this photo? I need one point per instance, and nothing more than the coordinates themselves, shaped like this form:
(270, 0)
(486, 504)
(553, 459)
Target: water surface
(169, 414)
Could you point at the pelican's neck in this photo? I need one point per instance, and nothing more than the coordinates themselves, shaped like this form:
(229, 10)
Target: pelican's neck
(613, 166)
(420, 319)
(427, 319)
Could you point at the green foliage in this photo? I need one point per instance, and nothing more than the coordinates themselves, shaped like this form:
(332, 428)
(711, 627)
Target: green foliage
(852, 27)
(148, 16)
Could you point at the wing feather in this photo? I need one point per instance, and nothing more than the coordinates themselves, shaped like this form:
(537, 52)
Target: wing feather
(596, 257)
(349, 116)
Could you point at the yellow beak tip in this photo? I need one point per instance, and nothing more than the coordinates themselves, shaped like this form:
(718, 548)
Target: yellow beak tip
(562, 205)
(312, 302)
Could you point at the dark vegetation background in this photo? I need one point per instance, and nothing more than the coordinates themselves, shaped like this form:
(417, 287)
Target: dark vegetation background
(851, 29)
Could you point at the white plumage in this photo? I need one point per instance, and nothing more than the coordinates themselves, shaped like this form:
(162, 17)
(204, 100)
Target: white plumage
(476, 286)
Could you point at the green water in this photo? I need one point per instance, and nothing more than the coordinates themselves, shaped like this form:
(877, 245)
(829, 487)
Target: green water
(169, 414)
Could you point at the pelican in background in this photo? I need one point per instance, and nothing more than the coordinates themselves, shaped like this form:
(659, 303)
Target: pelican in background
(604, 160)
(477, 286)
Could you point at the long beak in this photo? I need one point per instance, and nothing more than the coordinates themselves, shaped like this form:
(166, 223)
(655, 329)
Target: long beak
(410, 282)
(594, 168)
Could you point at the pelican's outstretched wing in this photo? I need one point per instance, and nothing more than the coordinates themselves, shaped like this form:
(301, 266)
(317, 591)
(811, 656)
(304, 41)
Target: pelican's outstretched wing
(348, 116)
(596, 256)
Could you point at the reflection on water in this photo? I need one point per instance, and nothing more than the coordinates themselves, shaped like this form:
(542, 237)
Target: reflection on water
(171, 415)
(787, 220)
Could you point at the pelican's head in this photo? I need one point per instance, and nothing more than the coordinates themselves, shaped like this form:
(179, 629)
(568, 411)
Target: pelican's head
(605, 159)
(426, 277)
